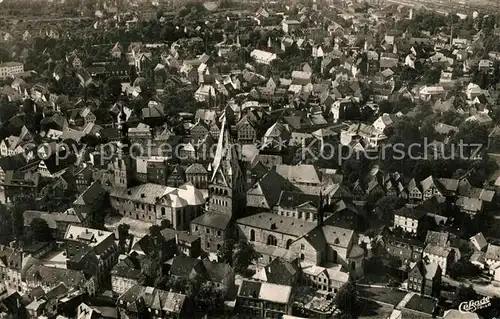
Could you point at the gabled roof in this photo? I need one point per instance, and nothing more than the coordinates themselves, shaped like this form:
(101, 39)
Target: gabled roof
(292, 200)
(492, 252)
(278, 272)
(479, 241)
(265, 291)
(278, 224)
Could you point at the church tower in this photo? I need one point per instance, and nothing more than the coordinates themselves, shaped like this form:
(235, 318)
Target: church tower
(123, 165)
(226, 185)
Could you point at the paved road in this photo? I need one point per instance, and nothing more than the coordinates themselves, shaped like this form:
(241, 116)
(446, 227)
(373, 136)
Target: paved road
(488, 290)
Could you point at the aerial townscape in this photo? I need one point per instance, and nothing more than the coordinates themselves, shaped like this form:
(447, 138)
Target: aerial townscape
(249, 159)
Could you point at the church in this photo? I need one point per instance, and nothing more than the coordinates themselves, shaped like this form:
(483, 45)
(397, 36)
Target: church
(226, 192)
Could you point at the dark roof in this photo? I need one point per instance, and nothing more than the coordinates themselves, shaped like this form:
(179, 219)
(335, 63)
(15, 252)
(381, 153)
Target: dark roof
(92, 194)
(250, 289)
(11, 257)
(294, 199)
(127, 269)
(422, 304)
(216, 271)
(183, 266)
(213, 220)
(410, 213)
(12, 162)
(279, 271)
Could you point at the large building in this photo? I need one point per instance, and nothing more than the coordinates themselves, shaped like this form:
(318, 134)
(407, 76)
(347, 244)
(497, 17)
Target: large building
(10, 68)
(312, 243)
(227, 194)
(91, 250)
(154, 203)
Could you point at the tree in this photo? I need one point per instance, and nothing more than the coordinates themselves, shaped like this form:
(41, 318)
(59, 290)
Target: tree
(463, 268)
(347, 299)
(384, 208)
(244, 255)
(431, 75)
(39, 231)
(5, 225)
(8, 110)
(471, 132)
(225, 253)
(209, 298)
(112, 88)
(463, 293)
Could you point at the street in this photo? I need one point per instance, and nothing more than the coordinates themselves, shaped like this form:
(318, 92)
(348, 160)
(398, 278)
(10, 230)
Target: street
(489, 290)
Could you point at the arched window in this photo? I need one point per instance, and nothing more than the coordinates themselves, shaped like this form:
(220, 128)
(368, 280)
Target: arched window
(272, 241)
(302, 257)
(225, 192)
(288, 243)
(252, 235)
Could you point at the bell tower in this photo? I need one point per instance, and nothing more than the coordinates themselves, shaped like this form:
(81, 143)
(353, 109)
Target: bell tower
(123, 165)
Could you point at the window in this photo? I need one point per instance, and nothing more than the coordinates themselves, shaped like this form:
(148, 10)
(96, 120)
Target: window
(195, 228)
(252, 235)
(207, 230)
(272, 241)
(302, 246)
(218, 233)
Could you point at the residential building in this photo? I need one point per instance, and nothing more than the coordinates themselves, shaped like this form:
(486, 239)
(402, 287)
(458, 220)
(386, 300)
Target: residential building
(263, 300)
(220, 274)
(11, 264)
(409, 219)
(492, 256)
(263, 57)
(8, 69)
(280, 272)
(57, 222)
(91, 250)
(289, 26)
(143, 301)
(408, 250)
(425, 278)
(125, 275)
(443, 256)
(328, 280)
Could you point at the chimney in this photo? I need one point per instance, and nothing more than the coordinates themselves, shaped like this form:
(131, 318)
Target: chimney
(320, 210)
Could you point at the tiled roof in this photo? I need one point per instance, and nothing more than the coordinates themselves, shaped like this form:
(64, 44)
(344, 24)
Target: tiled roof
(213, 220)
(196, 168)
(492, 252)
(439, 251)
(11, 258)
(295, 199)
(265, 291)
(185, 195)
(51, 276)
(299, 173)
(279, 224)
(152, 298)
